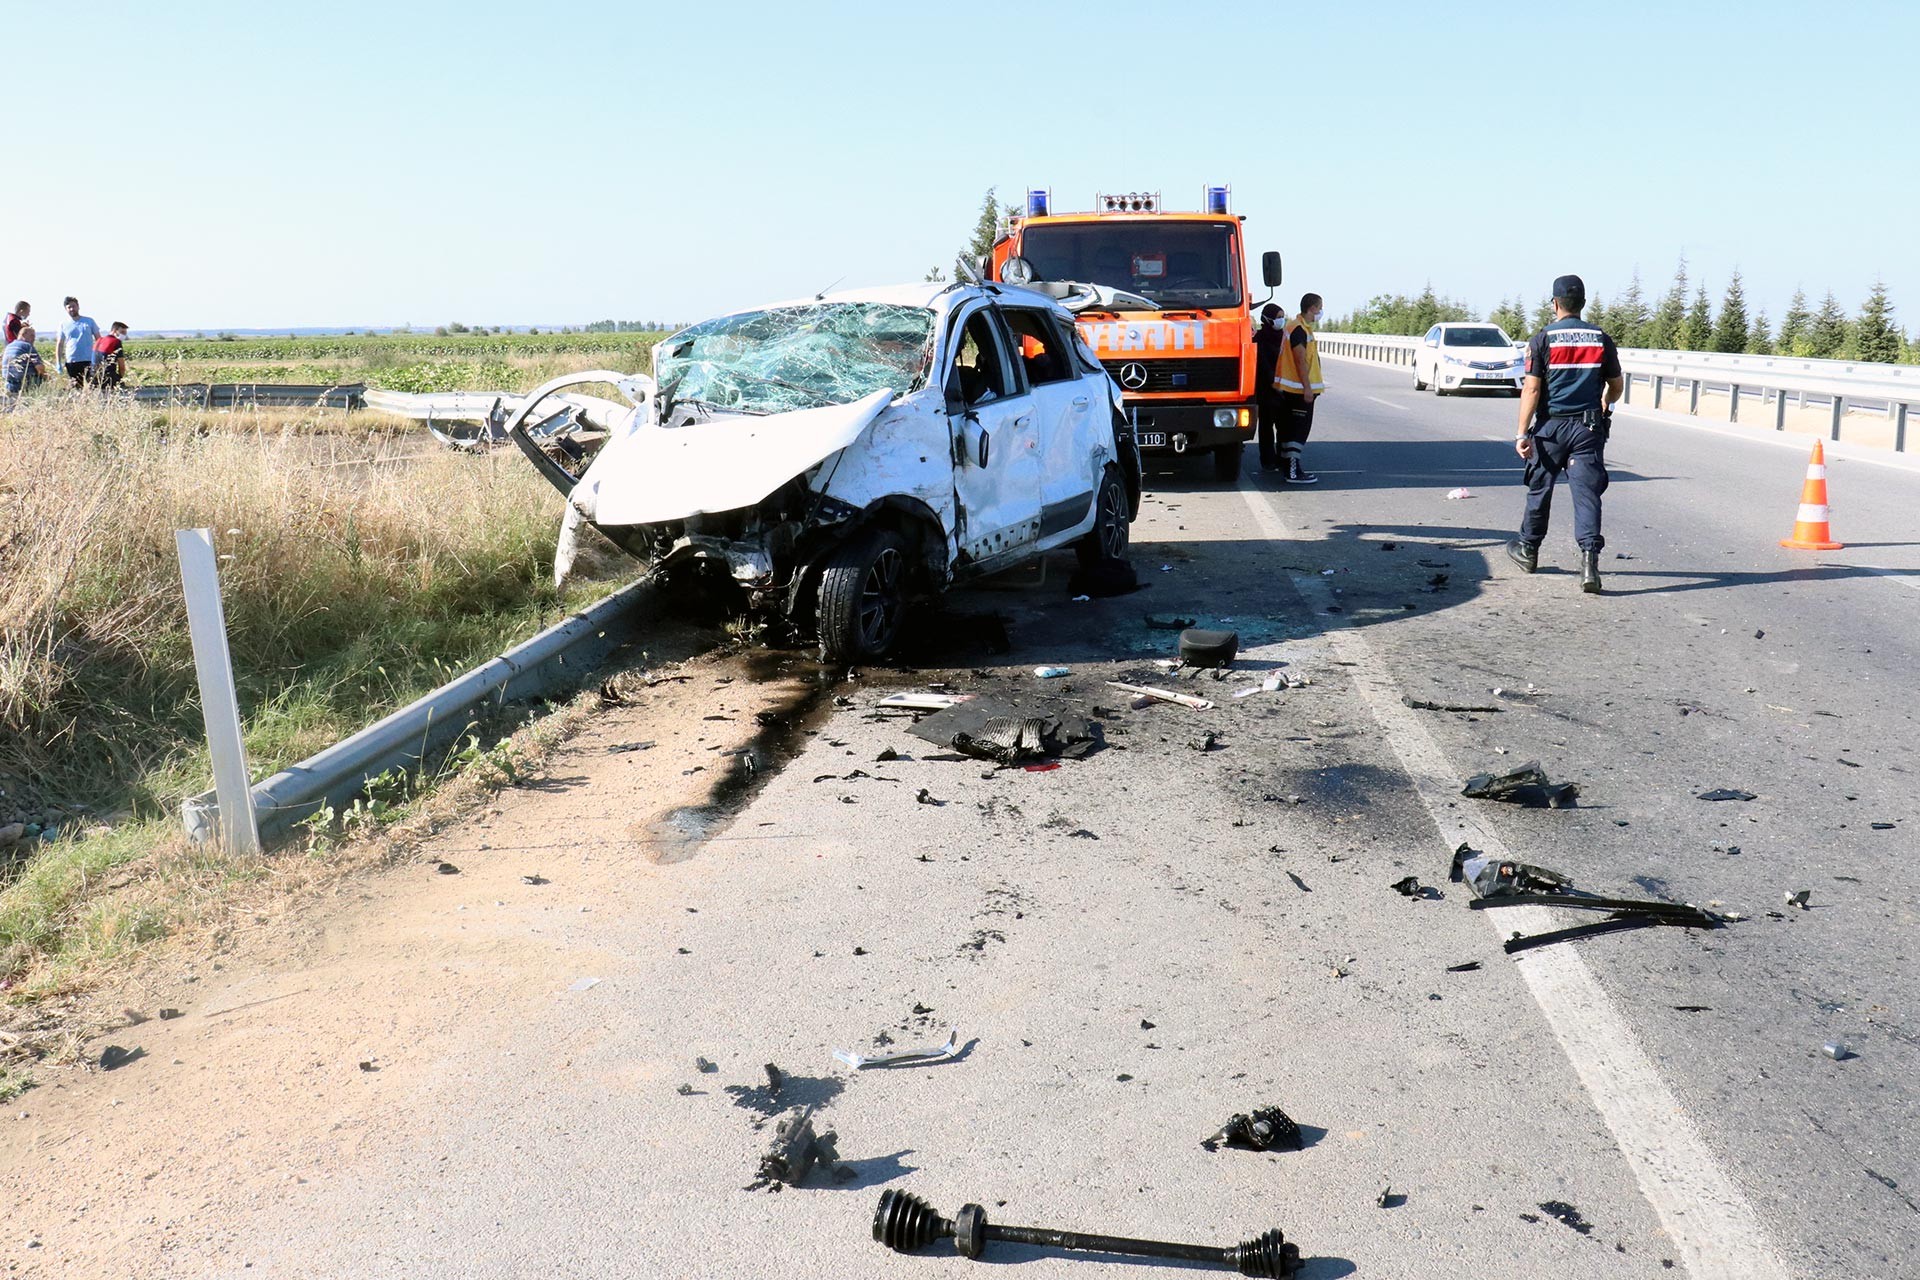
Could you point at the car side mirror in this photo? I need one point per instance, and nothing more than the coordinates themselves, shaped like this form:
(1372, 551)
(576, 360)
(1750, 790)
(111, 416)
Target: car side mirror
(1270, 269)
(985, 441)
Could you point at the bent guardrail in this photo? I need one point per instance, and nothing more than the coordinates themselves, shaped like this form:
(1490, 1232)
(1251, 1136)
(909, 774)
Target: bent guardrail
(1892, 390)
(559, 656)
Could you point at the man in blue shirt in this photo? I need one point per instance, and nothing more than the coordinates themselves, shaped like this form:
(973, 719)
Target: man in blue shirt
(1566, 411)
(20, 362)
(74, 351)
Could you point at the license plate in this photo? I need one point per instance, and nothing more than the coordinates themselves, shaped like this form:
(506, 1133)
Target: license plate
(1151, 439)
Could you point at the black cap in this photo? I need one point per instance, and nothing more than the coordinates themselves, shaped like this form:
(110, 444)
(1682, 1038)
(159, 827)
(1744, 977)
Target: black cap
(1571, 290)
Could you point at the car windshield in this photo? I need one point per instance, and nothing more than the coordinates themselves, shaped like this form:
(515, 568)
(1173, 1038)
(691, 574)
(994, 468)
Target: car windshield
(1475, 338)
(1177, 264)
(802, 357)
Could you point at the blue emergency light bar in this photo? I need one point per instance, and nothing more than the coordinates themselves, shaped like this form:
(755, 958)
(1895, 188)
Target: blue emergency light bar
(1038, 201)
(1217, 201)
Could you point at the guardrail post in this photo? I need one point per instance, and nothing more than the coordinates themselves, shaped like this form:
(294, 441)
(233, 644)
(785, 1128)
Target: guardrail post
(1779, 409)
(1656, 391)
(1839, 407)
(1733, 402)
(207, 624)
(1693, 395)
(1900, 426)
(1626, 389)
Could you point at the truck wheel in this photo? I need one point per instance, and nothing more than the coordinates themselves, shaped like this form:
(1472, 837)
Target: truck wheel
(1107, 540)
(1226, 462)
(863, 594)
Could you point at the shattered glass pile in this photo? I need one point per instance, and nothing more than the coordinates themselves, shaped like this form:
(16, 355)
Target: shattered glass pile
(800, 357)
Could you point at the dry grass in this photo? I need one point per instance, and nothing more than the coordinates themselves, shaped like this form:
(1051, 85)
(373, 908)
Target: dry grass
(359, 569)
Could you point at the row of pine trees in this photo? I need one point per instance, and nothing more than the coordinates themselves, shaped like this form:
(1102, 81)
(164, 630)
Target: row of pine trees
(1678, 322)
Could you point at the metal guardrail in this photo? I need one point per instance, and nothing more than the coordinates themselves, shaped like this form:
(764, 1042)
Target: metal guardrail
(1891, 389)
(253, 395)
(557, 658)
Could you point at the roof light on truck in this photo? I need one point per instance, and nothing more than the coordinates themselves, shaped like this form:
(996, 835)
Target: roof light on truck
(1217, 201)
(1131, 202)
(1038, 202)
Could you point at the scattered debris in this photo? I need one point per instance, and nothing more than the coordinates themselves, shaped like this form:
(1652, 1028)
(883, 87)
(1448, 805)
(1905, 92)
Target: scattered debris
(1203, 648)
(705, 1067)
(1052, 673)
(1727, 793)
(926, 797)
(1267, 1129)
(1421, 704)
(919, 701)
(1389, 1198)
(1527, 785)
(1561, 1211)
(1798, 898)
(1411, 887)
(686, 1090)
(1492, 877)
(1838, 1050)
(368, 1064)
(1149, 694)
(168, 1015)
(932, 1053)
(1465, 966)
(1208, 741)
(113, 1057)
(618, 748)
(584, 984)
(774, 1077)
(1168, 622)
(795, 1149)
(535, 879)
(1457, 494)
(446, 868)
(1881, 826)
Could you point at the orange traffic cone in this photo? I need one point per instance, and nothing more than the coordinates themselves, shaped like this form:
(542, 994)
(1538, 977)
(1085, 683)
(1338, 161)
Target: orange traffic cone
(1810, 531)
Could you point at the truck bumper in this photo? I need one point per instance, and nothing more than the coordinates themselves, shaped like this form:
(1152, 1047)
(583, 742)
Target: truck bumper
(1182, 428)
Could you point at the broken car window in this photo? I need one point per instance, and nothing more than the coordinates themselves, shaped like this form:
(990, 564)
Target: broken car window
(976, 364)
(1040, 348)
(800, 357)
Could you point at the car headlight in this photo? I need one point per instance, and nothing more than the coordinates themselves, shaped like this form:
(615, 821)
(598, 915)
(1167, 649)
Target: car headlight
(1453, 359)
(1224, 418)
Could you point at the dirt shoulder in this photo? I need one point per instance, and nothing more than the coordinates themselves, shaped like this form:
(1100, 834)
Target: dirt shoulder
(302, 1028)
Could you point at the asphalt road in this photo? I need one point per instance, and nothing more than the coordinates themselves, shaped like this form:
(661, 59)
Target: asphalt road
(1137, 945)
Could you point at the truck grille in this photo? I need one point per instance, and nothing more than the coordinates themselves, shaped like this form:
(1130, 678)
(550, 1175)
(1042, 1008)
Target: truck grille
(1217, 373)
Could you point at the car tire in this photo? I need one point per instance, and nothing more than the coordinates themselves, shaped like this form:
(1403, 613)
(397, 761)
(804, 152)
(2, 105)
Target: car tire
(1418, 383)
(1111, 531)
(863, 596)
(1226, 462)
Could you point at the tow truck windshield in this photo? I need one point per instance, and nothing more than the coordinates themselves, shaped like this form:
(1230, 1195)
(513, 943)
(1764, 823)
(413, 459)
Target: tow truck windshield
(787, 358)
(1177, 264)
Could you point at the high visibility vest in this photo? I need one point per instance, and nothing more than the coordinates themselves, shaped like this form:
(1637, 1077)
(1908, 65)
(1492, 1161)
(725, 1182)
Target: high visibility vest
(1288, 374)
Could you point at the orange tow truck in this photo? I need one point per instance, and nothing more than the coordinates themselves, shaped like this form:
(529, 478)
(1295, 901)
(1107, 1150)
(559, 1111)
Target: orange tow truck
(1161, 298)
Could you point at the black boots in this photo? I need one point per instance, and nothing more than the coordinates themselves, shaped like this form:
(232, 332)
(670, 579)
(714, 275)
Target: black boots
(1590, 572)
(1524, 554)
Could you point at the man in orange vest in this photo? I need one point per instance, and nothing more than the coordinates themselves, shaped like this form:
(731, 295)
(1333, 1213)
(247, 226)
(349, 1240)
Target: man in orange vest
(1301, 383)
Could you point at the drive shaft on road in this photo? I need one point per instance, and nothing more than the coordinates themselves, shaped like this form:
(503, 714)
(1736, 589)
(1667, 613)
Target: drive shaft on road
(904, 1222)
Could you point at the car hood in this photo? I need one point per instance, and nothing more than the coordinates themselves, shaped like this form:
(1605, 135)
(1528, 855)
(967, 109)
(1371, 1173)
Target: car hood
(654, 473)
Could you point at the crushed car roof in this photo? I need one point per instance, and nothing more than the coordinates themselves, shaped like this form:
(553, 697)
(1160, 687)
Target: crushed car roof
(930, 294)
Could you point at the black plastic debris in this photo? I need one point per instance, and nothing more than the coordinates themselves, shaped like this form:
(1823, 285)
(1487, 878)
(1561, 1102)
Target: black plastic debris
(1561, 1211)
(1207, 741)
(1881, 826)
(1006, 740)
(1203, 648)
(1168, 622)
(1465, 966)
(168, 1015)
(1411, 887)
(114, 1056)
(1421, 704)
(926, 797)
(619, 748)
(535, 879)
(1493, 877)
(1799, 899)
(1268, 1129)
(794, 1151)
(774, 1077)
(1389, 1198)
(1527, 785)
(886, 754)
(989, 728)
(1727, 793)
(446, 868)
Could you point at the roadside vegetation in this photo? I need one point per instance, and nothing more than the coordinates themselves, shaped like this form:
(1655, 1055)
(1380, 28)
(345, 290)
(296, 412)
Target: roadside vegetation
(361, 566)
(1682, 319)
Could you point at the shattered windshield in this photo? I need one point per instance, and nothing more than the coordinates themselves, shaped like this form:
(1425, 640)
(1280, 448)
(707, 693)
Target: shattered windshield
(800, 357)
(1177, 264)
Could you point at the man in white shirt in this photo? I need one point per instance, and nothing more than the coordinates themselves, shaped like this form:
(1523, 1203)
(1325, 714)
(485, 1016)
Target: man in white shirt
(74, 351)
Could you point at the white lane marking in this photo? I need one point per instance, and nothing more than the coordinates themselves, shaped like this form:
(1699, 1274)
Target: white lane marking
(1714, 1230)
(1390, 404)
(1905, 577)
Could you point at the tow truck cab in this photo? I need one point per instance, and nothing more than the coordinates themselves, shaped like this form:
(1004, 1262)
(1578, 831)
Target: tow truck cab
(1184, 360)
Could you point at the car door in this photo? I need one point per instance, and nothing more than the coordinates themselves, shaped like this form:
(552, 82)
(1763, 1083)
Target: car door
(1062, 437)
(996, 469)
(1429, 355)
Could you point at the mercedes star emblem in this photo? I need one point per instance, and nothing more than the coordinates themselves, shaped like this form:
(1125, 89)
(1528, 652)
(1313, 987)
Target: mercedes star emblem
(1133, 375)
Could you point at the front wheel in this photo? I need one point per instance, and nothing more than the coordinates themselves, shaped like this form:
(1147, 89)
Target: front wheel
(1419, 383)
(863, 596)
(1107, 540)
(1226, 462)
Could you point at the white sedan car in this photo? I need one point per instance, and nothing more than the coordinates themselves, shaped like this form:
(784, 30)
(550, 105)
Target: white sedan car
(1458, 355)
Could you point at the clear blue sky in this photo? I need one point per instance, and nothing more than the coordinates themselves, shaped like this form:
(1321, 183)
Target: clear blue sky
(350, 163)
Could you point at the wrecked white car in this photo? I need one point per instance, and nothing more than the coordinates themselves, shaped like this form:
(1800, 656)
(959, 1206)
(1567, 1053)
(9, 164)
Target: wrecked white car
(836, 458)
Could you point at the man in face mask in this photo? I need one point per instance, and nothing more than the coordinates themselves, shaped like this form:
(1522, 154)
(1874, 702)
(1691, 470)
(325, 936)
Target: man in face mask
(1267, 338)
(1300, 382)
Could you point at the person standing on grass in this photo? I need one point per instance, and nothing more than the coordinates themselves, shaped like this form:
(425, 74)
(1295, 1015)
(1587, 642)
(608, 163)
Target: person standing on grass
(1301, 383)
(74, 351)
(21, 362)
(1566, 413)
(17, 320)
(1266, 392)
(110, 356)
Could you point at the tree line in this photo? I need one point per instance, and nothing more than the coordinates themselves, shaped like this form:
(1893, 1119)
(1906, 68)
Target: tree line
(1682, 319)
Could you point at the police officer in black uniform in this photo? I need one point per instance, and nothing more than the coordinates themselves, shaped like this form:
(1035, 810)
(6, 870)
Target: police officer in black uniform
(1566, 411)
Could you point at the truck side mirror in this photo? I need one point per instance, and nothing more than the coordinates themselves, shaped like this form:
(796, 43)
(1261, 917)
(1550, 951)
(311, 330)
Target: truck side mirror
(1270, 269)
